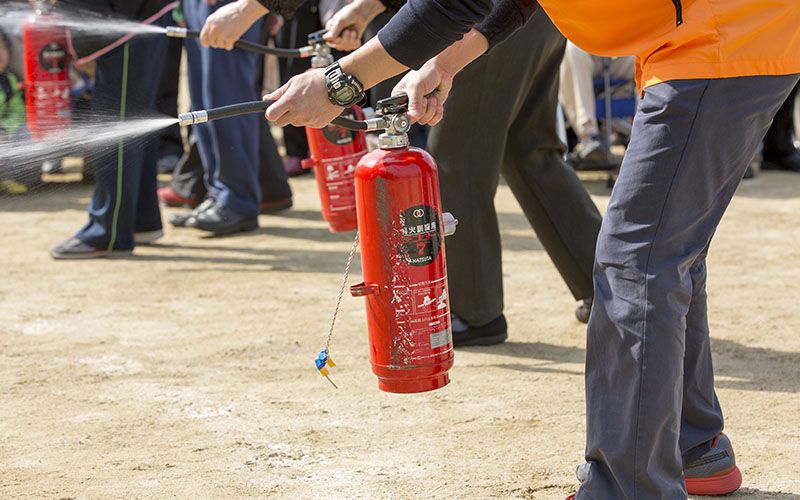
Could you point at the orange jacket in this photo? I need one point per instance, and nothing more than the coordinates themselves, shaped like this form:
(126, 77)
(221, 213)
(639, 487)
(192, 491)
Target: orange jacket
(686, 39)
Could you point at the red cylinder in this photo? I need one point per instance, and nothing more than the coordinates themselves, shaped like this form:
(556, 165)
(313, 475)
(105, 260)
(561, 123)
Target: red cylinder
(405, 275)
(47, 85)
(335, 152)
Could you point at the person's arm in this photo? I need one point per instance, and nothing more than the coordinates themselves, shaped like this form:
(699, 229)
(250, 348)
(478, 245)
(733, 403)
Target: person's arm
(228, 23)
(347, 26)
(420, 30)
(428, 87)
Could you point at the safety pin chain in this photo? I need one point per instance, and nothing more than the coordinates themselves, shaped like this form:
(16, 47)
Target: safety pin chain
(324, 361)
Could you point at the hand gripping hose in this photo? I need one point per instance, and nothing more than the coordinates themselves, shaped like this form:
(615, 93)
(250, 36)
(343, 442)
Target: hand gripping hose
(245, 108)
(301, 52)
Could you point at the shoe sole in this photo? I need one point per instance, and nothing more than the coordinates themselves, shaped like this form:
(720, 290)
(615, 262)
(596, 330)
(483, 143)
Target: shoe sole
(715, 485)
(483, 341)
(91, 255)
(242, 227)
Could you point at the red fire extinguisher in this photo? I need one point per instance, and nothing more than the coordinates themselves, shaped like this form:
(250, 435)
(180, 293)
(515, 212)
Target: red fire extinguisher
(335, 152)
(402, 232)
(47, 61)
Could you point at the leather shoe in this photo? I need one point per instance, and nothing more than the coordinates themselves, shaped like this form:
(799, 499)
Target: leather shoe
(186, 219)
(790, 162)
(275, 206)
(221, 220)
(494, 332)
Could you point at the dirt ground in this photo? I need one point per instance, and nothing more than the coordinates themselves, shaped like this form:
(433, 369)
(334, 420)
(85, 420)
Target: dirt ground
(187, 369)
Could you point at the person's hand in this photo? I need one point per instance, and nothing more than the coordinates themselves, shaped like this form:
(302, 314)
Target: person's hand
(226, 26)
(303, 102)
(427, 89)
(347, 26)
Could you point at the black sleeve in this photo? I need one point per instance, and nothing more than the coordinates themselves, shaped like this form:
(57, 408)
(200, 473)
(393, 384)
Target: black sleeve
(285, 8)
(394, 5)
(424, 28)
(506, 17)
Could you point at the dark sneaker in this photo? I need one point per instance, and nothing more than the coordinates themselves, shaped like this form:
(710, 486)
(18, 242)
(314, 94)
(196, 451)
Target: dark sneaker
(715, 473)
(584, 310)
(74, 248)
(221, 220)
(186, 219)
(494, 332)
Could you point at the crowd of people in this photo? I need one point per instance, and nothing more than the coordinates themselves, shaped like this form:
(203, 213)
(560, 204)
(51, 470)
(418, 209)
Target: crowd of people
(229, 172)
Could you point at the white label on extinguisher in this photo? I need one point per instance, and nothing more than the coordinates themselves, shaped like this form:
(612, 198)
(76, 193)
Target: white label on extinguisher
(339, 174)
(440, 339)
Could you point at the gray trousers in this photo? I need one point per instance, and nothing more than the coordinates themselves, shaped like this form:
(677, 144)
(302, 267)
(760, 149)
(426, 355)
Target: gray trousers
(501, 117)
(650, 400)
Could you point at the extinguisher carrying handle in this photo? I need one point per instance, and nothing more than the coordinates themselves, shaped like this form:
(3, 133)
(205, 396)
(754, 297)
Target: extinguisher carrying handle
(301, 52)
(244, 108)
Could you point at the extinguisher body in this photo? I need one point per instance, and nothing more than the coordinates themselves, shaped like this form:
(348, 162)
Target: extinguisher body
(335, 152)
(47, 84)
(403, 264)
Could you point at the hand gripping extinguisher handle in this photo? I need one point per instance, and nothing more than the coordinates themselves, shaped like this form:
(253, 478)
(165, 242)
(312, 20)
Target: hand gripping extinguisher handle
(301, 52)
(244, 108)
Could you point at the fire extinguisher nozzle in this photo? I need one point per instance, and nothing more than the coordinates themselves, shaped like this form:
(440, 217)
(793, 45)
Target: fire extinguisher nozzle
(177, 32)
(192, 118)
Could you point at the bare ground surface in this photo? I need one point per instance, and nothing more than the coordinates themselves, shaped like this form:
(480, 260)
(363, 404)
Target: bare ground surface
(187, 369)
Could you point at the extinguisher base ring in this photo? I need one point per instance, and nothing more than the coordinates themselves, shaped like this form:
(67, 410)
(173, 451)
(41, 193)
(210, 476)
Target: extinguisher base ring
(400, 386)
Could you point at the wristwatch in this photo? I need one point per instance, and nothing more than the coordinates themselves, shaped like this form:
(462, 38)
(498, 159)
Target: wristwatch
(343, 89)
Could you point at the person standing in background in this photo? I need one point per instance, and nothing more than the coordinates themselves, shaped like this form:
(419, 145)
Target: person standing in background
(228, 148)
(780, 151)
(124, 209)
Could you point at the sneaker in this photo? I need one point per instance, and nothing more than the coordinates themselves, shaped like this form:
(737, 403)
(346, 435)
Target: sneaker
(494, 332)
(13, 187)
(715, 473)
(591, 149)
(171, 198)
(148, 237)
(74, 248)
(584, 310)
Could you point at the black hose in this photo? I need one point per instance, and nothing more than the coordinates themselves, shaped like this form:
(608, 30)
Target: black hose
(257, 48)
(245, 108)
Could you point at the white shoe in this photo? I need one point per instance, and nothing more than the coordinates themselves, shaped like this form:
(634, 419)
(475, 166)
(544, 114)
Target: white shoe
(148, 237)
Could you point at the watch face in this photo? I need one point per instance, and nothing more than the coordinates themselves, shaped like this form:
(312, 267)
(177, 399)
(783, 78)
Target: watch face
(345, 95)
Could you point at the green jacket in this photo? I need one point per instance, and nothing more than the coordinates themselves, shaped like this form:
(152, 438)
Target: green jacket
(12, 104)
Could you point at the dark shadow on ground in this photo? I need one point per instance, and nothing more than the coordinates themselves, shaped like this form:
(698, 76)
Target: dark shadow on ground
(51, 197)
(748, 493)
(737, 366)
(307, 261)
(771, 185)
